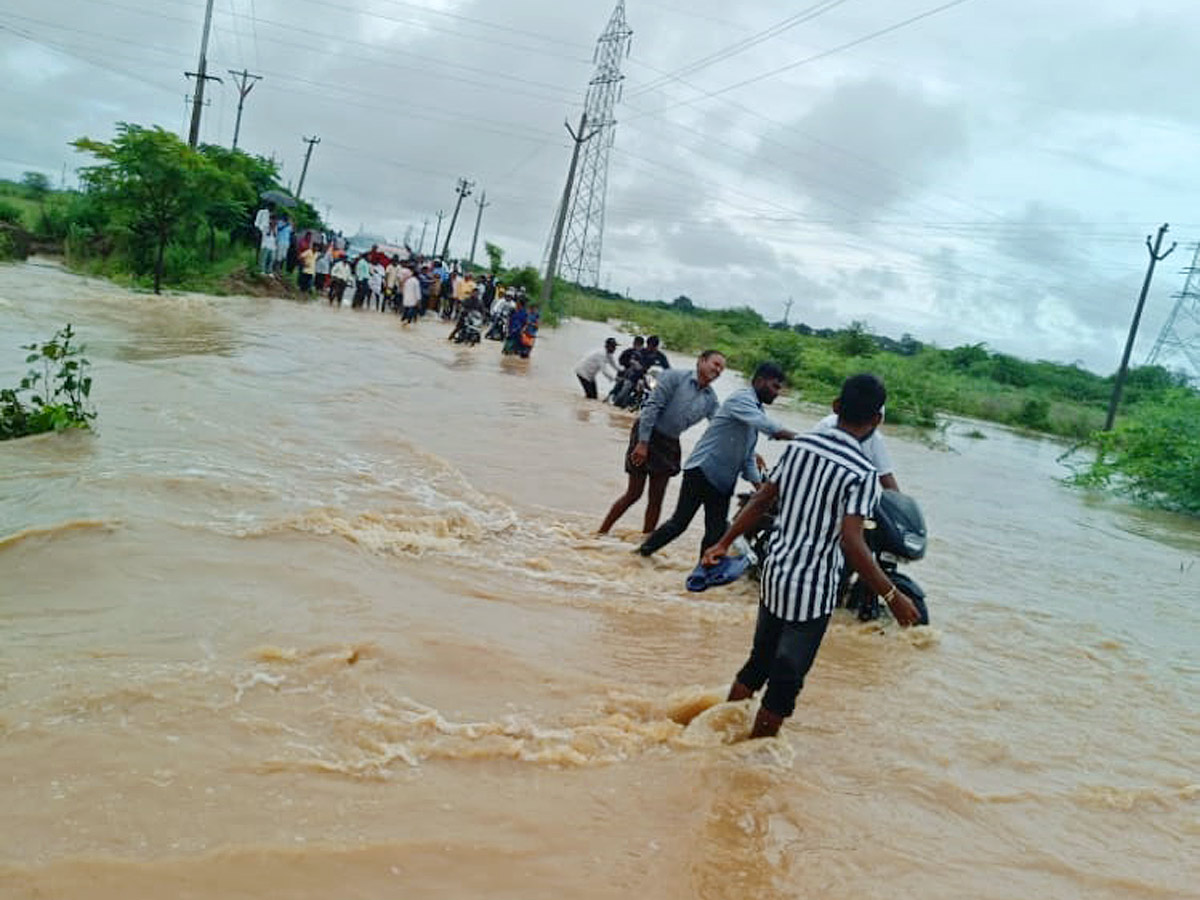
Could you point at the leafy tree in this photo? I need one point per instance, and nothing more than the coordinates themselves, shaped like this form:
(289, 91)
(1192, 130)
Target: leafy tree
(527, 278)
(152, 184)
(1154, 455)
(37, 184)
(968, 355)
(495, 255)
(683, 303)
(854, 340)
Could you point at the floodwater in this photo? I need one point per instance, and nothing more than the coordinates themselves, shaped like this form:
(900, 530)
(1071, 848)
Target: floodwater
(318, 612)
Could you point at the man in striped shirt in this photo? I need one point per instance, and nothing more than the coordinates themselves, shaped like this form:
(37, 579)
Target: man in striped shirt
(826, 488)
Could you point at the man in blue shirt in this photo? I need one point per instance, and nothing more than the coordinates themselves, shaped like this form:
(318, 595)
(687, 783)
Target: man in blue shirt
(680, 400)
(723, 451)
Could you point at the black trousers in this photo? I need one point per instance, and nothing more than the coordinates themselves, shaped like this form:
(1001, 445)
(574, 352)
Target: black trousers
(694, 492)
(589, 386)
(782, 654)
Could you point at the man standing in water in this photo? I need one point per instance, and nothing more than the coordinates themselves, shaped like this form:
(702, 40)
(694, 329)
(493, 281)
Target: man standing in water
(593, 364)
(680, 400)
(725, 450)
(804, 558)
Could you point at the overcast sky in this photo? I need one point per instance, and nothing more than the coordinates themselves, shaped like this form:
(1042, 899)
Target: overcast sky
(988, 172)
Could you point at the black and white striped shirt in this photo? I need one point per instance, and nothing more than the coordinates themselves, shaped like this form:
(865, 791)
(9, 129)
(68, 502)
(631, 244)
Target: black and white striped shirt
(821, 479)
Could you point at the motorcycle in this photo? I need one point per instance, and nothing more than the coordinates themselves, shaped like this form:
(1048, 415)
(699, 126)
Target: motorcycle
(632, 388)
(896, 535)
(470, 328)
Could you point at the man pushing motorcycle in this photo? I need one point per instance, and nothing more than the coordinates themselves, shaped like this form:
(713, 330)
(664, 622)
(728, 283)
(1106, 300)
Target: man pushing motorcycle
(800, 576)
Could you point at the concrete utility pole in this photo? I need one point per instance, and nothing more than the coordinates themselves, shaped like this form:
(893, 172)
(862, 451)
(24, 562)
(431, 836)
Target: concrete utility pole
(421, 246)
(463, 189)
(312, 142)
(245, 86)
(787, 310)
(482, 204)
(1119, 382)
(201, 75)
(441, 215)
(579, 139)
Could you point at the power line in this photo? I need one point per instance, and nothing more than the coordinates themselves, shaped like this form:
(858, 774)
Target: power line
(806, 15)
(420, 70)
(912, 20)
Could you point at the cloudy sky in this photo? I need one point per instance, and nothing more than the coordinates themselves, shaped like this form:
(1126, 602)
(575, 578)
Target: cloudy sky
(978, 170)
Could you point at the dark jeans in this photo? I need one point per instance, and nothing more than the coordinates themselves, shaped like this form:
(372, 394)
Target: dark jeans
(589, 387)
(695, 491)
(783, 653)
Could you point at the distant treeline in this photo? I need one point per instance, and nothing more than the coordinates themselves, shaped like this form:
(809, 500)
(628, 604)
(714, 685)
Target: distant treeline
(1154, 453)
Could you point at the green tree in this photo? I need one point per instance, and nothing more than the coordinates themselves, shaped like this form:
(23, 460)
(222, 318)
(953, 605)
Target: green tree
(495, 255)
(683, 303)
(853, 340)
(37, 184)
(1154, 455)
(152, 185)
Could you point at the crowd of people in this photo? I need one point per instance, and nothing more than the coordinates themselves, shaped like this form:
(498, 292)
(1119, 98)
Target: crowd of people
(407, 284)
(821, 492)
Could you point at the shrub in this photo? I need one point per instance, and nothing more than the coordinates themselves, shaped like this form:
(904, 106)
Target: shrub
(58, 387)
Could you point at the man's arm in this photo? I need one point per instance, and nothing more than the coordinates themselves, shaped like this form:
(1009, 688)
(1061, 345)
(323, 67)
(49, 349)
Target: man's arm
(854, 545)
(744, 409)
(889, 482)
(760, 504)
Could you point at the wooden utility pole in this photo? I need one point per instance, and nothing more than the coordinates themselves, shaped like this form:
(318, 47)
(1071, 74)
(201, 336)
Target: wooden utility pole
(421, 246)
(1119, 382)
(441, 215)
(201, 75)
(312, 142)
(579, 140)
(482, 204)
(245, 86)
(463, 189)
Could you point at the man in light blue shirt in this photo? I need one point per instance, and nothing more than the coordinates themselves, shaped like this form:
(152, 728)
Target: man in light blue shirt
(679, 401)
(723, 452)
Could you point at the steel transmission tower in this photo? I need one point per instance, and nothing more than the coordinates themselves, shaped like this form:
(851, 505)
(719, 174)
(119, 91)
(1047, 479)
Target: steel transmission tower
(585, 210)
(1179, 340)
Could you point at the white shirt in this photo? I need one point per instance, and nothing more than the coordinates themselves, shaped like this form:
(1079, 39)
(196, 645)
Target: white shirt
(873, 448)
(592, 364)
(412, 290)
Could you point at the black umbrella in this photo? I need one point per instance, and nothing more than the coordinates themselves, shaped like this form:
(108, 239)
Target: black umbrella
(278, 197)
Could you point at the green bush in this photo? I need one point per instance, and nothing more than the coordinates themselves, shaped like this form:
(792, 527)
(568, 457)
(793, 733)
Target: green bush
(1154, 455)
(58, 388)
(10, 212)
(1034, 413)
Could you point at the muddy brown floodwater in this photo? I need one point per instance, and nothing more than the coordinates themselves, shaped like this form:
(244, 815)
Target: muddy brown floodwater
(318, 612)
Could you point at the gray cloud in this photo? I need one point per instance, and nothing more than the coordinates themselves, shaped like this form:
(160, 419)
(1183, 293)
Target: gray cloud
(953, 180)
(865, 147)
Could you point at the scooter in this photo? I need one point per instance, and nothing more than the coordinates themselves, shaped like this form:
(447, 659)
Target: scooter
(896, 535)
